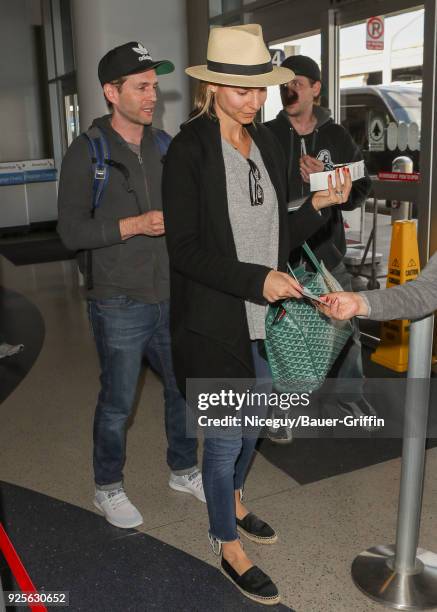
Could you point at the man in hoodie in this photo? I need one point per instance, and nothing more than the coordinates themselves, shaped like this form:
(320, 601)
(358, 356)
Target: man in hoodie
(312, 142)
(128, 294)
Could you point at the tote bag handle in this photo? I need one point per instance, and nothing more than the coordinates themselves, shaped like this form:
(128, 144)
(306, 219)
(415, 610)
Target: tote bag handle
(312, 258)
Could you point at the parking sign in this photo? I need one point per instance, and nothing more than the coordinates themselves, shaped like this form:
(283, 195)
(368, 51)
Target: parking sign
(375, 33)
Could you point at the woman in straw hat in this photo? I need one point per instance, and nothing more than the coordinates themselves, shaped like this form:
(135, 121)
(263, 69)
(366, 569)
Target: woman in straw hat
(228, 240)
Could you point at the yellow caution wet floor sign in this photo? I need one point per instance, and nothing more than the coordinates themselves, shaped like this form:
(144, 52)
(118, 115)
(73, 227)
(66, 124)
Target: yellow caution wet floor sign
(403, 266)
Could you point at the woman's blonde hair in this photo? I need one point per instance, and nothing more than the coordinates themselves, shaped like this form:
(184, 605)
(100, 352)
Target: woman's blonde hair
(203, 101)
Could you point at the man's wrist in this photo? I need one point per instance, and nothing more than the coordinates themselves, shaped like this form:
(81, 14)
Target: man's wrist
(364, 307)
(128, 227)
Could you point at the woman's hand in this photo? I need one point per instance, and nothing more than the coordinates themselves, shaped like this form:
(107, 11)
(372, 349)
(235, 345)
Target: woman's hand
(334, 195)
(279, 286)
(343, 305)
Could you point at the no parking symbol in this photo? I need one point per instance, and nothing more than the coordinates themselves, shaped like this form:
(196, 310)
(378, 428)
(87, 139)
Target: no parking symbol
(375, 33)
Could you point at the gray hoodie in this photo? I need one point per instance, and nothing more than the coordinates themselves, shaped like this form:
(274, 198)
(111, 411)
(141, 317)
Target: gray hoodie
(137, 267)
(332, 144)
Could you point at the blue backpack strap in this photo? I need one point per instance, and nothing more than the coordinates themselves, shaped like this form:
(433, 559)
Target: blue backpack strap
(162, 140)
(100, 157)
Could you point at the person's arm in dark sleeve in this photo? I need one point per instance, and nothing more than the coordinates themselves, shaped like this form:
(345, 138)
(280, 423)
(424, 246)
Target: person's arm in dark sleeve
(187, 250)
(360, 188)
(77, 229)
(305, 222)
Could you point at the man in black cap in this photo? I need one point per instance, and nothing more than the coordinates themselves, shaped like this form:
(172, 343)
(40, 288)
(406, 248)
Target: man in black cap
(312, 142)
(110, 208)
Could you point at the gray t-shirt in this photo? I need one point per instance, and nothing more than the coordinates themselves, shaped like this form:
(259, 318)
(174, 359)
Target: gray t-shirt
(255, 228)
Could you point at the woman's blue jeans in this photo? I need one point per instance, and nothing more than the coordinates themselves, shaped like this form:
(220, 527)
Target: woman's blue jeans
(126, 331)
(225, 464)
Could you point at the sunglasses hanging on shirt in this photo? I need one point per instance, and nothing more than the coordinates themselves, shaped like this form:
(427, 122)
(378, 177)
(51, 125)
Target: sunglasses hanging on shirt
(255, 189)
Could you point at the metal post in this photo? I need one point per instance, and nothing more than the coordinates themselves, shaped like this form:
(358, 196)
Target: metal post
(331, 63)
(402, 576)
(373, 282)
(401, 209)
(413, 452)
(362, 222)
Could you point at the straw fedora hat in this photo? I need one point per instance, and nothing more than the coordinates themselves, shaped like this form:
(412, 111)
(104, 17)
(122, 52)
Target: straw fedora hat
(237, 56)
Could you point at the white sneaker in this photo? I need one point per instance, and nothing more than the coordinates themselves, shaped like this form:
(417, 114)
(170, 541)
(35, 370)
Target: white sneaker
(117, 508)
(188, 483)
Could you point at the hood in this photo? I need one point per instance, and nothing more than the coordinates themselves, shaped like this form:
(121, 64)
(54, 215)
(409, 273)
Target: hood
(323, 116)
(102, 122)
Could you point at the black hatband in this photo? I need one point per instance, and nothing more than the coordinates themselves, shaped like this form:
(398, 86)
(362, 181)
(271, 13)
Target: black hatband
(240, 69)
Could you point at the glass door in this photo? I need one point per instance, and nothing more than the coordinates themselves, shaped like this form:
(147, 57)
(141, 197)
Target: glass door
(381, 89)
(380, 84)
(303, 45)
(71, 117)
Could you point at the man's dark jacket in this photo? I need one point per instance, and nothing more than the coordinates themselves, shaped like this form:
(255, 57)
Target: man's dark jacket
(137, 267)
(208, 284)
(333, 145)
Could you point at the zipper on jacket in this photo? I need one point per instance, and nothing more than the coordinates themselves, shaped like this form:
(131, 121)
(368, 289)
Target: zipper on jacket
(313, 144)
(303, 151)
(146, 182)
(290, 163)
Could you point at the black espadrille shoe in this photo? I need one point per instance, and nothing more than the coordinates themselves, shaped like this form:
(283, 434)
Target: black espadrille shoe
(256, 530)
(254, 584)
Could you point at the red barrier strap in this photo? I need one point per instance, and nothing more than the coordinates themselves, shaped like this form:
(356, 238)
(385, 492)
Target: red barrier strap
(21, 576)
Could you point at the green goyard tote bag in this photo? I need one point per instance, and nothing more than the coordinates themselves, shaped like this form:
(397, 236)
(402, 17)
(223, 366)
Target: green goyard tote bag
(301, 343)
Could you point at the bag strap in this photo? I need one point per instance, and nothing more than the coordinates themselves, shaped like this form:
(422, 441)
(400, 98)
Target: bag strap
(101, 160)
(162, 140)
(312, 258)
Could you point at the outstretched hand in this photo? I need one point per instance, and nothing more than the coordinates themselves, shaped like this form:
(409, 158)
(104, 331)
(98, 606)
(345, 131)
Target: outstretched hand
(343, 305)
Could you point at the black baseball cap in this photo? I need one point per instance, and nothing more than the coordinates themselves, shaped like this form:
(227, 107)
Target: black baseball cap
(127, 59)
(302, 65)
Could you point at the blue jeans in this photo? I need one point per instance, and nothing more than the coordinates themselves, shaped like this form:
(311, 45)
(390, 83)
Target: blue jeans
(126, 330)
(225, 464)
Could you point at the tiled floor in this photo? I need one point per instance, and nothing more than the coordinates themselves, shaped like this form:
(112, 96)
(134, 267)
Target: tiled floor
(45, 445)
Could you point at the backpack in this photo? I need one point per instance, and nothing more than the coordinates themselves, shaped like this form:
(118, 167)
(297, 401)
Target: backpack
(101, 162)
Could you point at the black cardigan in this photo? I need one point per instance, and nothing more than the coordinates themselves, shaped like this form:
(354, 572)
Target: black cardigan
(208, 285)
